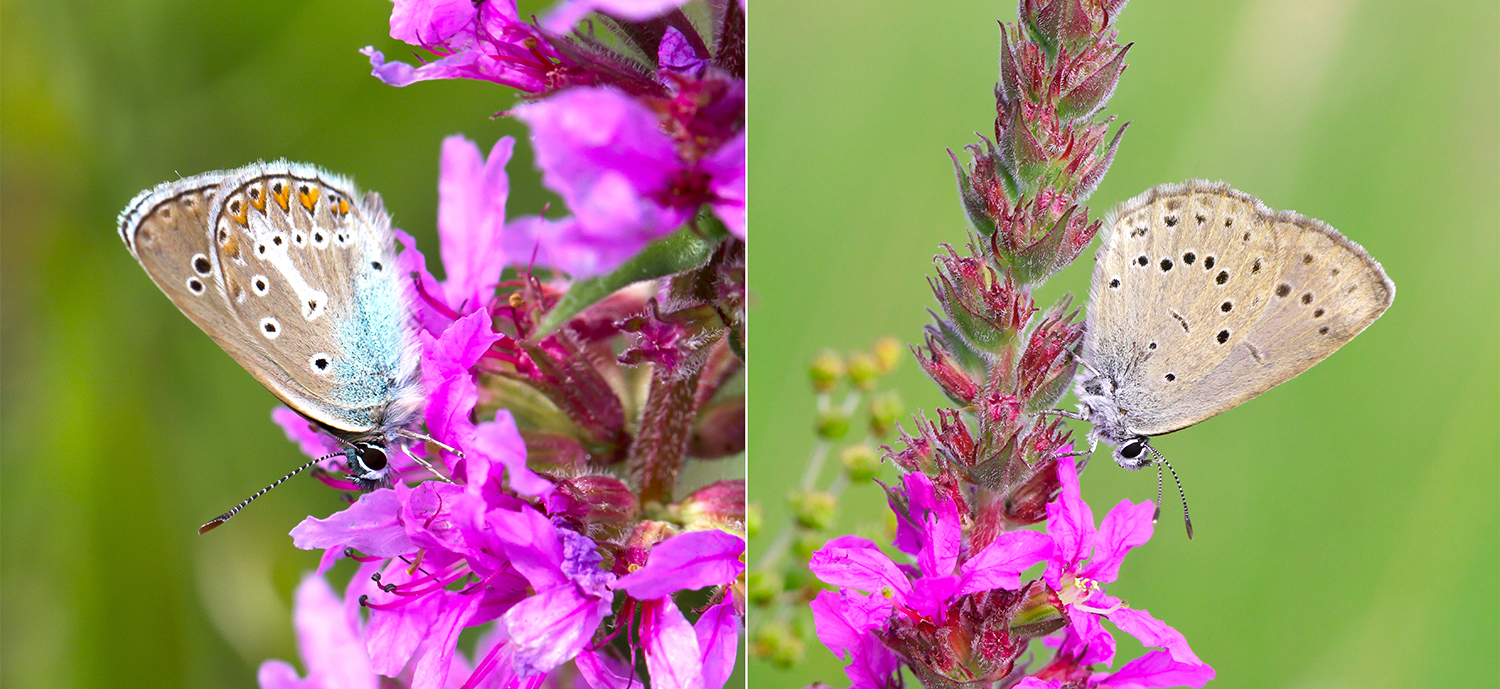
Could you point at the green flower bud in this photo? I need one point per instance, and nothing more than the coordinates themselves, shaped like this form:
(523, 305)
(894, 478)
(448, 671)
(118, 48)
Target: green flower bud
(753, 520)
(826, 370)
(763, 587)
(864, 370)
(815, 510)
(884, 409)
(833, 423)
(861, 462)
(887, 354)
(776, 642)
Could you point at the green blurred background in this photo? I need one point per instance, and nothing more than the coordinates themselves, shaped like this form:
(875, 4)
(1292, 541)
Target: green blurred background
(1346, 521)
(124, 426)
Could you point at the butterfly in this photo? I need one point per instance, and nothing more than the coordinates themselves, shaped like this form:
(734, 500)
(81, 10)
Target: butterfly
(1203, 298)
(293, 273)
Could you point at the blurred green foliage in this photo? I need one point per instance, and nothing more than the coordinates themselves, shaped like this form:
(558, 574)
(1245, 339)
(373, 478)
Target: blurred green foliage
(1348, 532)
(124, 427)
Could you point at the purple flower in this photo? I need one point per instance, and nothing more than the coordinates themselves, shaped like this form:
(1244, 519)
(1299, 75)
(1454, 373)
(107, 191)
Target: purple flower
(906, 600)
(471, 217)
(1152, 670)
(1085, 559)
(622, 177)
(483, 40)
(572, 593)
(328, 641)
(472, 193)
(848, 623)
(680, 655)
(569, 12)
(928, 528)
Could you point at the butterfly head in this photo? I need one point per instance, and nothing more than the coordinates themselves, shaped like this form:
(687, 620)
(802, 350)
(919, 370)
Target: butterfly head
(1134, 453)
(368, 466)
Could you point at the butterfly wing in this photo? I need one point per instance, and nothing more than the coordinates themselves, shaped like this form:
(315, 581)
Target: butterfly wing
(1176, 337)
(300, 287)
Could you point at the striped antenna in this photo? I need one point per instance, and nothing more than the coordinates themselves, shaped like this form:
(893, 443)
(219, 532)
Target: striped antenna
(213, 524)
(1187, 520)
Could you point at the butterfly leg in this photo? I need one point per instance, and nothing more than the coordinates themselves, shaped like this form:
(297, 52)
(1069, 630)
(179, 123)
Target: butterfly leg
(1076, 416)
(426, 465)
(428, 439)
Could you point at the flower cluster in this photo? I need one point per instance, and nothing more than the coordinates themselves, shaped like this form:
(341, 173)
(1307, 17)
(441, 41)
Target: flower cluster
(636, 134)
(573, 399)
(962, 616)
(979, 473)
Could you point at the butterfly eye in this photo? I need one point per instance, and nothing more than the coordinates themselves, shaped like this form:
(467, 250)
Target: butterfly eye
(1133, 449)
(371, 457)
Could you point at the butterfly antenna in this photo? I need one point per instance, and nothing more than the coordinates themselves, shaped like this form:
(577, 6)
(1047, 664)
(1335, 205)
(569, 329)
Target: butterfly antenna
(216, 521)
(1186, 519)
(1157, 514)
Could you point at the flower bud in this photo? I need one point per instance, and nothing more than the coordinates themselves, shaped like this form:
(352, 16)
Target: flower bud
(887, 354)
(861, 462)
(718, 505)
(986, 309)
(595, 502)
(864, 370)
(754, 518)
(775, 641)
(764, 587)
(946, 370)
(826, 370)
(814, 509)
(833, 423)
(883, 412)
(1048, 365)
(719, 429)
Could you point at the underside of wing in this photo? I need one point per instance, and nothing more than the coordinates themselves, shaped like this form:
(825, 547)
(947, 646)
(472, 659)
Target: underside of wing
(1179, 282)
(1327, 290)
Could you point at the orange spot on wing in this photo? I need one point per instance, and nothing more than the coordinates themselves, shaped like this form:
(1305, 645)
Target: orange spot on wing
(309, 199)
(282, 193)
(239, 210)
(343, 207)
(257, 198)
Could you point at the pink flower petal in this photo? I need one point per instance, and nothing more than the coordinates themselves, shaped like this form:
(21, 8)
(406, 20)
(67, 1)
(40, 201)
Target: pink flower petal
(370, 526)
(500, 442)
(1153, 632)
(718, 640)
(1087, 639)
(844, 621)
(552, 626)
(471, 219)
(1070, 522)
(430, 22)
(531, 542)
(726, 169)
(569, 12)
(603, 672)
(1000, 564)
(333, 652)
(858, 563)
(1126, 526)
(671, 646)
(1155, 669)
(686, 562)
(409, 261)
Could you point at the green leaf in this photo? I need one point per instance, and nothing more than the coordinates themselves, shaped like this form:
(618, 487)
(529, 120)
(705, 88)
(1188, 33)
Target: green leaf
(680, 251)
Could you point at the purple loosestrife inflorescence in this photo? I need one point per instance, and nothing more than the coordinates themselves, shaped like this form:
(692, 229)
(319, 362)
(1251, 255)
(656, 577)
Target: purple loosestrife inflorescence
(635, 136)
(575, 385)
(962, 616)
